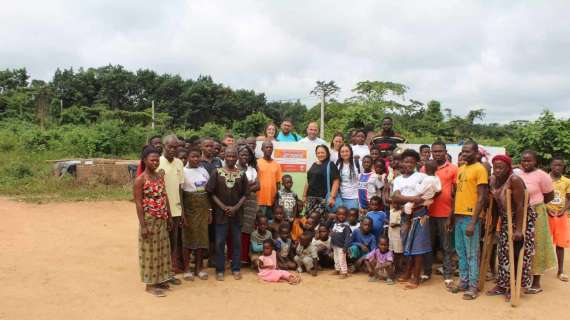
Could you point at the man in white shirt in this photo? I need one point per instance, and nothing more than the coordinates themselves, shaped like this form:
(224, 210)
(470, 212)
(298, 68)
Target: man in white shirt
(313, 135)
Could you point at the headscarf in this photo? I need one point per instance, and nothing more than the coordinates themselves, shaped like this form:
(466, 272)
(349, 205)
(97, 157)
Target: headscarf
(506, 159)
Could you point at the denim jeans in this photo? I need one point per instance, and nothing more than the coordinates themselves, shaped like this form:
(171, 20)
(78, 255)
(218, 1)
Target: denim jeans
(221, 235)
(438, 228)
(467, 250)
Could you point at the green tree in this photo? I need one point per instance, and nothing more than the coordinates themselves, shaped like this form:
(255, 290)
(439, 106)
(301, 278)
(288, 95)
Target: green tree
(547, 136)
(252, 125)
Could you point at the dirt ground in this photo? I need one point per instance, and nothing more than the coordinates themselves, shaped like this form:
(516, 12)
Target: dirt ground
(79, 261)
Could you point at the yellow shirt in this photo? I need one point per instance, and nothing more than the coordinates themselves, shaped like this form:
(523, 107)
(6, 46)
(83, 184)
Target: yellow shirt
(468, 178)
(173, 178)
(561, 188)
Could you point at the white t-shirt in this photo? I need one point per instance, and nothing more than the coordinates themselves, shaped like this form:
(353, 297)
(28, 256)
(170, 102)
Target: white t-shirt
(334, 155)
(348, 185)
(195, 179)
(360, 150)
(429, 187)
(408, 186)
(251, 174)
(316, 142)
(373, 185)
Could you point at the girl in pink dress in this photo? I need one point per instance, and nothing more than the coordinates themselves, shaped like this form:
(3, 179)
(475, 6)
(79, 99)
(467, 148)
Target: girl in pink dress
(267, 265)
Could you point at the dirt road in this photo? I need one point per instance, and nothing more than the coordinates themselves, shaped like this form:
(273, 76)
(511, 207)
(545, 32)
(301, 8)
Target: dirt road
(79, 261)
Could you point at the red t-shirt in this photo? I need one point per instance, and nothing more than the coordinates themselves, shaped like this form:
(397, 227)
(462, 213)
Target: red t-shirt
(441, 206)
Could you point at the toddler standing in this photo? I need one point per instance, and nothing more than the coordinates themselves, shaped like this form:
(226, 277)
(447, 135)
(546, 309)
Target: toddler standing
(340, 241)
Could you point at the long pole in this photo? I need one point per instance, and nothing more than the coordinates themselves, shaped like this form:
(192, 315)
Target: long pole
(323, 114)
(60, 109)
(152, 115)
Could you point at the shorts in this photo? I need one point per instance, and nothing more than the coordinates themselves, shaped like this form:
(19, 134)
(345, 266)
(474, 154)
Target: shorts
(559, 228)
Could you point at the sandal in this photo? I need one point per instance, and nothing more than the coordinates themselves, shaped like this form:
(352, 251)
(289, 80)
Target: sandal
(175, 281)
(411, 286)
(563, 277)
(237, 275)
(156, 291)
(390, 282)
(220, 277)
(470, 295)
(456, 288)
(203, 275)
(496, 291)
(188, 276)
(533, 290)
(164, 286)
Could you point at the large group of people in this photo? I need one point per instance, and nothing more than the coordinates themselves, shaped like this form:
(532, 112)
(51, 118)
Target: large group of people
(367, 206)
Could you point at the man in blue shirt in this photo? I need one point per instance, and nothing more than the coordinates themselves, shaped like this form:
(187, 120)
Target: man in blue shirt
(287, 134)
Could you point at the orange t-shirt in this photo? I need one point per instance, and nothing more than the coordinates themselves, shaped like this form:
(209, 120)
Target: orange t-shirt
(441, 206)
(268, 173)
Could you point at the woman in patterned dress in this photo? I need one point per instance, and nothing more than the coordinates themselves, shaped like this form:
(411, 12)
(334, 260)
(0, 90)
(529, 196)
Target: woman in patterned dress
(541, 191)
(154, 217)
(503, 179)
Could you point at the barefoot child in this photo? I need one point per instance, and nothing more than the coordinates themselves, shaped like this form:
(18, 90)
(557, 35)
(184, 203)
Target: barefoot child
(285, 249)
(267, 266)
(324, 250)
(307, 257)
(257, 237)
(427, 189)
(363, 242)
(340, 240)
(379, 263)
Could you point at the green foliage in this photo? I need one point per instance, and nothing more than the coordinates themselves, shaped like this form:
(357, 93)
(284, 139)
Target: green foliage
(252, 125)
(547, 136)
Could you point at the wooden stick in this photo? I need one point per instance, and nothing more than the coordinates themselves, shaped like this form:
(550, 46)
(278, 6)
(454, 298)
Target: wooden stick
(487, 246)
(513, 286)
(515, 296)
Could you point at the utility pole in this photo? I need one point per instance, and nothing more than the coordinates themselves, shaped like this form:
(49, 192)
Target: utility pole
(323, 114)
(60, 110)
(152, 108)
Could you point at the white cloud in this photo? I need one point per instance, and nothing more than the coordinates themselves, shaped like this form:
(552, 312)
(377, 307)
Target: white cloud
(510, 58)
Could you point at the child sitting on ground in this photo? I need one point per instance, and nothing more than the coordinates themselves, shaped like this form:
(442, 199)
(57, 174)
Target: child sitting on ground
(322, 243)
(285, 249)
(379, 262)
(353, 219)
(267, 266)
(427, 189)
(278, 216)
(340, 240)
(378, 217)
(256, 242)
(362, 243)
(286, 198)
(307, 256)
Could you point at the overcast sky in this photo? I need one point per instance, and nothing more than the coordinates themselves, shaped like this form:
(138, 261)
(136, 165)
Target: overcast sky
(510, 57)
